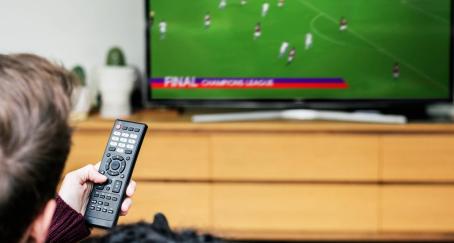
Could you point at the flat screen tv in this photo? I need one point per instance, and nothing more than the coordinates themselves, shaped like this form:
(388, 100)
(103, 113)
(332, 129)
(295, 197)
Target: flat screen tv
(298, 53)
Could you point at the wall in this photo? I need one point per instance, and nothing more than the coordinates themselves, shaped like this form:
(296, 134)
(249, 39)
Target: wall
(74, 32)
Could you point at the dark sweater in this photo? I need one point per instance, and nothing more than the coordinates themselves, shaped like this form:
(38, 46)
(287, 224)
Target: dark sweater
(67, 225)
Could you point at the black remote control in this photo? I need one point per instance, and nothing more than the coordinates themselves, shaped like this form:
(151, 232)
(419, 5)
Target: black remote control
(120, 155)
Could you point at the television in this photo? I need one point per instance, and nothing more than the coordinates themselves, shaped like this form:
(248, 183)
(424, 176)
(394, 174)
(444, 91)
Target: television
(298, 53)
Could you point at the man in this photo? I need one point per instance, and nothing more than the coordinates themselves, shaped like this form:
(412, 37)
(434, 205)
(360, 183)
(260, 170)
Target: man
(283, 49)
(207, 20)
(163, 29)
(308, 41)
(265, 8)
(291, 56)
(396, 70)
(343, 24)
(35, 140)
(257, 31)
(281, 3)
(222, 4)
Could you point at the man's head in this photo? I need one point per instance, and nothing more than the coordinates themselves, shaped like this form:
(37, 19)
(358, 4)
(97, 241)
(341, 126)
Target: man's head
(34, 142)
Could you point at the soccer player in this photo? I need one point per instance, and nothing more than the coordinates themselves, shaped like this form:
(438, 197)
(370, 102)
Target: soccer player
(265, 8)
(258, 31)
(343, 24)
(281, 3)
(283, 49)
(222, 4)
(308, 41)
(163, 29)
(291, 56)
(207, 20)
(243, 2)
(396, 70)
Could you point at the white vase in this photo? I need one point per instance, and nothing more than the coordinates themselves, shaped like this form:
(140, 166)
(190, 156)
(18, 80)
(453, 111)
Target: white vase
(115, 85)
(81, 103)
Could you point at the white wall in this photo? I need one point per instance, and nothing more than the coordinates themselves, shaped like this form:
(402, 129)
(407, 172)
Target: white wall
(74, 31)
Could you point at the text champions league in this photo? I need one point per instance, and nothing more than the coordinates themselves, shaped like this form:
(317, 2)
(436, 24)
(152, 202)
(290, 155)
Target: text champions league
(173, 82)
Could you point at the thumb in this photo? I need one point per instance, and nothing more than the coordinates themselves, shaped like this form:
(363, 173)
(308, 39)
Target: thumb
(90, 174)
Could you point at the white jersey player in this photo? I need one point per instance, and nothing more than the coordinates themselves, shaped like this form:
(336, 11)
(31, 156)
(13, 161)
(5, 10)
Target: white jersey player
(207, 21)
(308, 41)
(291, 56)
(265, 8)
(283, 49)
(281, 3)
(222, 4)
(163, 29)
(257, 31)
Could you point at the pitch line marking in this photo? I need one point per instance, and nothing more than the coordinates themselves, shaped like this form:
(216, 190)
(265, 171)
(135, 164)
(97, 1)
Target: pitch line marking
(323, 36)
(377, 47)
(425, 12)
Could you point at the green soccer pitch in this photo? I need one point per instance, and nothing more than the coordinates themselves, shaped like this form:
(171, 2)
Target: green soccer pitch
(414, 33)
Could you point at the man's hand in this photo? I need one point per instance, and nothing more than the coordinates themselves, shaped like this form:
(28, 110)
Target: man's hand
(77, 185)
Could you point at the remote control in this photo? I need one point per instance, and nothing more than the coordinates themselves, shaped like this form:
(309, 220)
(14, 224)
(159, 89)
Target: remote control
(120, 155)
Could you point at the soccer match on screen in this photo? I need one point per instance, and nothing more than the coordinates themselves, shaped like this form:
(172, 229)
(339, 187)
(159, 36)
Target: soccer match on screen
(308, 49)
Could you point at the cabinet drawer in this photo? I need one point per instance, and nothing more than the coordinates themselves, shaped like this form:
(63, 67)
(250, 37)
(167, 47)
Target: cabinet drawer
(296, 157)
(185, 205)
(295, 208)
(418, 208)
(418, 157)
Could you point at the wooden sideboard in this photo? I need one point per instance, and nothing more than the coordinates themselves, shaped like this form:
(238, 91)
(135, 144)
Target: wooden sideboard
(289, 180)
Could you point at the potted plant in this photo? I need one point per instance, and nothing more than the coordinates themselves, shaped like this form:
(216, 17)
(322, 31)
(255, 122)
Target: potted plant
(81, 96)
(116, 82)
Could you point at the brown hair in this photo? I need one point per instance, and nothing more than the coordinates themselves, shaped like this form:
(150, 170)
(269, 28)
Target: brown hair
(35, 138)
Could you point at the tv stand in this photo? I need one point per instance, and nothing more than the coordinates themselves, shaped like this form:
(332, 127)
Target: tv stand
(302, 114)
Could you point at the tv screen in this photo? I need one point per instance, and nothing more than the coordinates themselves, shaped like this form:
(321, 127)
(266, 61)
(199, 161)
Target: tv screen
(298, 50)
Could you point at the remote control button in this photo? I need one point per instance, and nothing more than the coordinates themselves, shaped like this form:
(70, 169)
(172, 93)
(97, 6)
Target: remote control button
(129, 146)
(113, 173)
(99, 187)
(114, 199)
(93, 201)
(115, 165)
(113, 143)
(131, 129)
(96, 195)
(104, 210)
(124, 127)
(128, 151)
(107, 188)
(128, 158)
(102, 172)
(92, 207)
(123, 140)
(110, 211)
(120, 158)
(109, 181)
(137, 130)
(108, 197)
(118, 126)
(133, 136)
(108, 154)
(117, 133)
(111, 148)
(115, 139)
(115, 157)
(132, 141)
(122, 167)
(120, 150)
(98, 208)
(102, 196)
(121, 145)
(100, 202)
(116, 186)
(125, 135)
(122, 176)
(106, 204)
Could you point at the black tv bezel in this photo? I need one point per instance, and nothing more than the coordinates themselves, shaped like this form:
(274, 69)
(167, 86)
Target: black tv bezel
(287, 103)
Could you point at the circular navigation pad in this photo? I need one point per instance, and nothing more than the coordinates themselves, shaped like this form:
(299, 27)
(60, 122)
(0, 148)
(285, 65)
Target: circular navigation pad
(115, 165)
